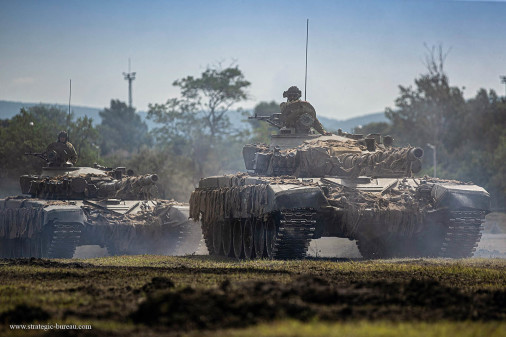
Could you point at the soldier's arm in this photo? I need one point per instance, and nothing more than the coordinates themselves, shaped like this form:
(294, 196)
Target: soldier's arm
(73, 153)
(319, 127)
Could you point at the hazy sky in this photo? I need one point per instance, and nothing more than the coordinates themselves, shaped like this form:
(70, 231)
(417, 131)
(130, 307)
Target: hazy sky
(359, 51)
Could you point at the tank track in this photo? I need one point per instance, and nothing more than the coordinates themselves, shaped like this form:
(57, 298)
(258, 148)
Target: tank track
(296, 229)
(64, 239)
(189, 239)
(463, 233)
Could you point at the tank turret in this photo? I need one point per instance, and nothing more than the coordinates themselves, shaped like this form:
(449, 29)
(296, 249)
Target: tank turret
(333, 155)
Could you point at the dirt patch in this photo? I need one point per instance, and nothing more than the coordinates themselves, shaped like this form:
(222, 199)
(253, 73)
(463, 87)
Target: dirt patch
(158, 283)
(44, 263)
(238, 304)
(24, 313)
(82, 333)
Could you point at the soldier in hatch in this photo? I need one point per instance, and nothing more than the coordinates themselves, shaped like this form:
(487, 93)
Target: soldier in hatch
(298, 114)
(61, 151)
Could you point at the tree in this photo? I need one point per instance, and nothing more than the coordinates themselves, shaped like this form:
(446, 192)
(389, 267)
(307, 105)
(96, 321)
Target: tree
(383, 128)
(211, 96)
(196, 126)
(423, 114)
(469, 135)
(122, 129)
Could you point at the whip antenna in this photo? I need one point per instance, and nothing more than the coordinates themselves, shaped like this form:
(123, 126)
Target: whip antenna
(305, 76)
(68, 119)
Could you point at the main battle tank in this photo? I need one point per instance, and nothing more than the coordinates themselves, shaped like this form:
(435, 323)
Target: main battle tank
(305, 186)
(66, 206)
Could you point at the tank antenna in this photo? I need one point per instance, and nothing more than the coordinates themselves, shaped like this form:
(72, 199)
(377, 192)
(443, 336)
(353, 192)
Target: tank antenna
(305, 75)
(68, 119)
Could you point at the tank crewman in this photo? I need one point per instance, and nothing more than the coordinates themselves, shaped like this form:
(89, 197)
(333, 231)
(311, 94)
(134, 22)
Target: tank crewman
(293, 109)
(64, 149)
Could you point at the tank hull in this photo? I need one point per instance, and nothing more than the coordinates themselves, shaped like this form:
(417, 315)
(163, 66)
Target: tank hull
(389, 217)
(31, 227)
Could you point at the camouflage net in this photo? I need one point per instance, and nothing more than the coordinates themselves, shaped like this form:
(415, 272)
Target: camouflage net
(90, 186)
(20, 222)
(394, 212)
(217, 204)
(335, 157)
(145, 231)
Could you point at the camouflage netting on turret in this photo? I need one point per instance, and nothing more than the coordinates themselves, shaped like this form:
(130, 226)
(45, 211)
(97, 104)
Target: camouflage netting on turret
(90, 186)
(337, 158)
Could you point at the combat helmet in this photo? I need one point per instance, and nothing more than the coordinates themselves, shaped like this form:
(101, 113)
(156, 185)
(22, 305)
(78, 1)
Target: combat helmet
(293, 93)
(63, 134)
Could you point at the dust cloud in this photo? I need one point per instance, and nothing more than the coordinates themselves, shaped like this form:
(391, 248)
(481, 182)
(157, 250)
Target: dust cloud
(493, 240)
(89, 252)
(9, 187)
(492, 244)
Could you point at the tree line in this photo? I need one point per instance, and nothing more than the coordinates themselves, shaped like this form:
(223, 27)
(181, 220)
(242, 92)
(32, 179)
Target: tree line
(469, 135)
(193, 136)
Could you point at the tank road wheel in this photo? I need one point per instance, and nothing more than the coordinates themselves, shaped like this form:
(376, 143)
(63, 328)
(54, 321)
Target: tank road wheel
(208, 233)
(237, 234)
(270, 237)
(217, 238)
(247, 239)
(226, 232)
(259, 238)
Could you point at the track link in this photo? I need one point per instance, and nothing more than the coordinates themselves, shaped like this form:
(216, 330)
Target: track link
(463, 233)
(296, 229)
(189, 238)
(64, 239)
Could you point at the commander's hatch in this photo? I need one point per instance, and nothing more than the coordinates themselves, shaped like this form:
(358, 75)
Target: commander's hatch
(365, 184)
(120, 207)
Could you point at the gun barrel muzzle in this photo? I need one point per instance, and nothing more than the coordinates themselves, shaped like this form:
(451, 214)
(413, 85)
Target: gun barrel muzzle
(415, 153)
(148, 179)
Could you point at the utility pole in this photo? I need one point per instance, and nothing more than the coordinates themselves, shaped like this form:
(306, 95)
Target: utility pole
(129, 77)
(503, 80)
(433, 147)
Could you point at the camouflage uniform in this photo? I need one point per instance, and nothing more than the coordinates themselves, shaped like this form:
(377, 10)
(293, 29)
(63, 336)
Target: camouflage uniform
(294, 109)
(65, 150)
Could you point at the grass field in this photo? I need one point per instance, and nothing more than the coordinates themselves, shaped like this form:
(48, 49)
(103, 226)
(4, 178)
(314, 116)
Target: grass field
(203, 296)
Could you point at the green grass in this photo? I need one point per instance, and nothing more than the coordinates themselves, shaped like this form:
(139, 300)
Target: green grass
(364, 329)
(104, 291)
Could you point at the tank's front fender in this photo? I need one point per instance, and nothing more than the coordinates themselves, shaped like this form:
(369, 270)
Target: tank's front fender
(64, 214)
(289, 196)
(455, 196)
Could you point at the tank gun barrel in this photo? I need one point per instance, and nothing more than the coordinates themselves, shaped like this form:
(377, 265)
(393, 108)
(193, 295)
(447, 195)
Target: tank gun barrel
(415, 153)
(123, 188)
(148, 179)
(382, 162)
(106, 186)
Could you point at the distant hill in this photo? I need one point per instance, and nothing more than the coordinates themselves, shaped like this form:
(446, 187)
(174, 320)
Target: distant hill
(348, 125)
(10, 109)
